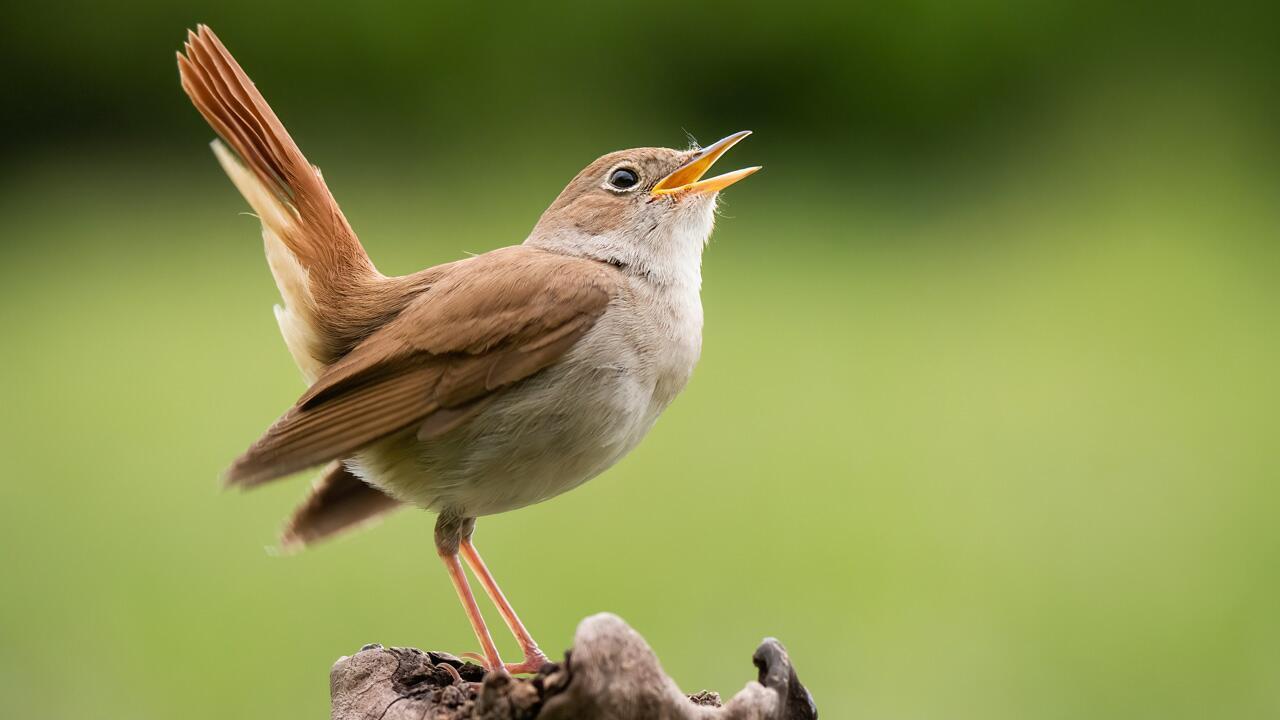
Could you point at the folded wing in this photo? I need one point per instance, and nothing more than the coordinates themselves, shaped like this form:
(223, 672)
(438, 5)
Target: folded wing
(489, 322)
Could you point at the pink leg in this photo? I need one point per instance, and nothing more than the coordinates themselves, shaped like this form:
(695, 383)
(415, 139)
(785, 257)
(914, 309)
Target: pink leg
(533, 657)
(492, 660)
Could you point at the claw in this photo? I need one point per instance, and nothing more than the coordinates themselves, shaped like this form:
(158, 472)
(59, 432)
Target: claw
(453, 672)
(476, 658)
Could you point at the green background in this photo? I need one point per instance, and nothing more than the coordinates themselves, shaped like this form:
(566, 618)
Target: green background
(985, 424)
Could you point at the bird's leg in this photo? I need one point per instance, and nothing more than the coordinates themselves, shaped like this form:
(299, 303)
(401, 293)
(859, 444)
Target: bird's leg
(533, 657)
(492, 661)
(447, 541)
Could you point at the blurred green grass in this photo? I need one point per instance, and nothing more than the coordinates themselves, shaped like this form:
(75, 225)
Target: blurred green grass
(993, 442)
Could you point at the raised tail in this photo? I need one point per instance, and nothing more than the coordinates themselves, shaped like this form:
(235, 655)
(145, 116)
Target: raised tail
(316, 258)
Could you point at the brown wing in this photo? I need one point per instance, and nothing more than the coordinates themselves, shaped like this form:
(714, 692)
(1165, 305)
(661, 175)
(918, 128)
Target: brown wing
(490, 321)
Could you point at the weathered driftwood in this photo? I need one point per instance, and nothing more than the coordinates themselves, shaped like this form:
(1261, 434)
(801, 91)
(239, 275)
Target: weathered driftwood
(610, 673)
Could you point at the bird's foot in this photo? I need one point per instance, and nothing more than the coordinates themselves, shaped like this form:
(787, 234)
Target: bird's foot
(532, 663)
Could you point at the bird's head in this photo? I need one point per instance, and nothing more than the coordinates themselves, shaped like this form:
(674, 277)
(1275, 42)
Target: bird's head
(647, 210)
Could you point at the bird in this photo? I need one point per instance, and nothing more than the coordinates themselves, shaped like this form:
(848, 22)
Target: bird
(481, 385)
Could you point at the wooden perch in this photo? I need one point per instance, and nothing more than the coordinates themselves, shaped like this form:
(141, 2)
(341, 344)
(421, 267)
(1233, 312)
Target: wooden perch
(611, 673)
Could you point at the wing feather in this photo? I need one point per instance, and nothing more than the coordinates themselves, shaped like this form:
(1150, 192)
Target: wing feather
(489, 322)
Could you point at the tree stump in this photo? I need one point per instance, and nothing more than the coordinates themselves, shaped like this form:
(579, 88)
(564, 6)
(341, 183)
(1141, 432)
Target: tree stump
(611, 673)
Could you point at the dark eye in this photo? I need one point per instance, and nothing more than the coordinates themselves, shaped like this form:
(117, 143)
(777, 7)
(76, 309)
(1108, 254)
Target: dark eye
(623, 178)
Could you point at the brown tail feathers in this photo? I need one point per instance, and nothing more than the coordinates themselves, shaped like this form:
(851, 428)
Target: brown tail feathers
(230, 102)
(339, 502)
(332, 293)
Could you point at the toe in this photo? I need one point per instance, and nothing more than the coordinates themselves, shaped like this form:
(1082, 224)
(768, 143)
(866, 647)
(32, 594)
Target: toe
(532, 663)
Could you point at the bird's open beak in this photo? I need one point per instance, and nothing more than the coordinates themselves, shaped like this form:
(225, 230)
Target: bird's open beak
(687, 178)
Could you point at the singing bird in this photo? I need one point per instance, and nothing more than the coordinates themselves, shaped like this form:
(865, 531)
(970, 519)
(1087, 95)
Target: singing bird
(478, 386)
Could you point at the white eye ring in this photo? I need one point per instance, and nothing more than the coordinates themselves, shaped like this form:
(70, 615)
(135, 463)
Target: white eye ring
(621, 174)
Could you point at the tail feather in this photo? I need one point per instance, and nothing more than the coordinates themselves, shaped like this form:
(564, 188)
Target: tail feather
(339, 502)
(317, 260)
(231, 103)
(333, 296)
(298, 318)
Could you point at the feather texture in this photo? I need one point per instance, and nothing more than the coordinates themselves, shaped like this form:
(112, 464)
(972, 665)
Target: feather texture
(333, 295)
(487, 323)
(339, 501)
(473, 387)
(229, 101)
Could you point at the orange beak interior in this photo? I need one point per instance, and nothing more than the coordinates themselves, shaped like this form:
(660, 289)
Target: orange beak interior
(687, 178)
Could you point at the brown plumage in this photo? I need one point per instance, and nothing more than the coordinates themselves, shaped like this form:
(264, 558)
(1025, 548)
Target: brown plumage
(490, 321)
(338, 502)
(346, 296)
(481, 385)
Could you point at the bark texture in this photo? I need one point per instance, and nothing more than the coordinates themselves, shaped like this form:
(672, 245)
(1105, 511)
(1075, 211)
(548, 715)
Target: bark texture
(610, 673)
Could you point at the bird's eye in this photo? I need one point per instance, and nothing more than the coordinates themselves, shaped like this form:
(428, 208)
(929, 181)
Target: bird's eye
(623, 178)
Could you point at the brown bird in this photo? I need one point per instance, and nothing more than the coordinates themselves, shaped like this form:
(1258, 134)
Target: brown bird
(478, 386)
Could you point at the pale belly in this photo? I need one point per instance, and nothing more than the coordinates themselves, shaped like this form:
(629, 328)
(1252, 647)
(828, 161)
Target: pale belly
(542, 437)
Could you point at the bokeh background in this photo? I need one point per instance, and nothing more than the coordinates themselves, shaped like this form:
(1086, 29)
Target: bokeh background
(985, 426)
